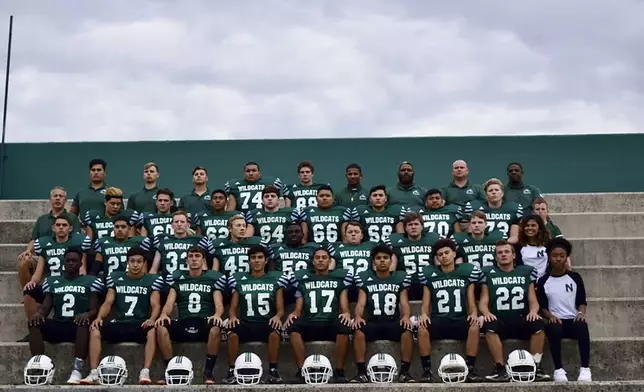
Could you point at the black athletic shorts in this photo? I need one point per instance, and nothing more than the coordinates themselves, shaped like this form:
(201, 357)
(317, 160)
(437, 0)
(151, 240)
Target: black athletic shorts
(253, 332)
(514, 327)
(36, 293)
(189, 330)
(442, 328)
(383, 330)
(313, 331)
(119, 332)
(54, 331)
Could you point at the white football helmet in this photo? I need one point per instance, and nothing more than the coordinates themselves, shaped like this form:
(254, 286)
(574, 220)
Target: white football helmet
(382, 368)
(317, 369)
(40, 370)
(453, 369)
(248, 369)
(179, 371)
(521, 366)
(112, 370)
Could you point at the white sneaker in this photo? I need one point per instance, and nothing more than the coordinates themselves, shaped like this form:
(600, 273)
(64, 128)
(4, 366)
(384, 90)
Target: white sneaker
(560, 375)
(75, 377)
(91, 379)
(144, 377)
(584, 375)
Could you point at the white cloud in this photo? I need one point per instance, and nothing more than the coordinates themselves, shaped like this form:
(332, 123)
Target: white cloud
(285, 69)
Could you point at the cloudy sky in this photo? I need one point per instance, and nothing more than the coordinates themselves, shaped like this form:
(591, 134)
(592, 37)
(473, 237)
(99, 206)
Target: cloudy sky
(162, 69)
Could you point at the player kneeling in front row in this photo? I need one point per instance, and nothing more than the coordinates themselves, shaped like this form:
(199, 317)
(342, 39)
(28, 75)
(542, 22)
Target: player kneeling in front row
(321, 311)
(382, 312)
(449, 307)
(259, 297)
(74, 298)
(200, 309)
(136, 297)
(510, 308)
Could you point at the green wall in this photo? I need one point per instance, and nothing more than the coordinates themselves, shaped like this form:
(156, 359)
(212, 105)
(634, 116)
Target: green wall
(588, 163)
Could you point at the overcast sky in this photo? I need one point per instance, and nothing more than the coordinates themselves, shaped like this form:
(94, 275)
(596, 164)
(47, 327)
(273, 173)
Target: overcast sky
(158, 70)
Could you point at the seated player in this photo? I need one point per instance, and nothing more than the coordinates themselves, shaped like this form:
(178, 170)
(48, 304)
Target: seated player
(99, 224)
(413, 251)
(135, 297)
(305, 193)
(382, 312)
(258, 298)
(325, 223)
(231, 254)
(49, 252)
(246, 194)
(270, 221)
(111, 252)
(213, 223)
(501, 216)
(152, 224)
(200, 308)
(74, 298)
(321, 311)
(510, 309)
(438, 217)
(478, 246)
(449, 307)
(379, 219)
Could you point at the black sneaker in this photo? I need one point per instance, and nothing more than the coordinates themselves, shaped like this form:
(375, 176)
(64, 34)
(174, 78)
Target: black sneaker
(472, 375)
(426, 377)
(339, 380)
(541, 375)
(405, 377)
(499, 375)
(274, 377)
(360, 378)
(230, 378)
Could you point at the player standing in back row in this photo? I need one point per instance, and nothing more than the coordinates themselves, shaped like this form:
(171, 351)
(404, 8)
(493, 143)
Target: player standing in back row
(325, 223)
(245, 195)
(305, 193)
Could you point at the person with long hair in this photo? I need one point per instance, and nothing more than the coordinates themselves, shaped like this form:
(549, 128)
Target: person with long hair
(531, 248)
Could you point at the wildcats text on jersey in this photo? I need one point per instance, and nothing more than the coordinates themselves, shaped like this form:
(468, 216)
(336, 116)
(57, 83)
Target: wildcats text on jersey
(354, 253)
(106, 225)
(234, 251)
(321, 284)
(257, 287)
(250, 187)
(503, 280)
(266, 219)
(441, 284)
(69, 289)
(55, 252)
(415, 249)
(497, 216)
(302, 192)
(373, 220)
(479, 248)
(324, 219)
(117, 250)
(383, 287)
(295, 256)
(435, 217)
(131, 290)
(195, 287)
(161, 220)
(177, 246)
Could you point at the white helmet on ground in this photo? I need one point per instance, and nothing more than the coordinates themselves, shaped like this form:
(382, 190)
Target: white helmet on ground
(453, 369)
(248, 369)
(40, 370)
(179, 371)
(521, 366)
(382, 368)
(112, 370)
(317, 369)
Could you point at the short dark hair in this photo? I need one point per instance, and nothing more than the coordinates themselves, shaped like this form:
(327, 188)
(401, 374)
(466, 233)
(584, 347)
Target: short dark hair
(251, 163)
(433, 191)
(504, 243)
(271, 189)
(514, 163)
(122, 218)
(223, 192)
(559, 243)
(323, 249)
(197, 249)
(308, 164)
(381, 248)
(75, 249)
(65, 217)
(325, 188)
(98, 161)
(167, 192)
(258, 249)
(199, 168)
(137, 251)
(353, 166)
(443, 243)
(378, 188)
(412, 216)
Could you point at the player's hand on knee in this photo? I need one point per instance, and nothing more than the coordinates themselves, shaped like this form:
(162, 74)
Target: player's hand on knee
(488, 318)
(233, 321)
(216, 321)
(290, 319)
(36, 319)
(82, 319)
(275, 322)
(533, 316)
(358, 322)
(162, 321)
(473, 319)
(31, 285)
(345, 318)
(424, 321)
(24, 255)
(554, 320)
(405, 322)
(96, 324)
(580, 317)
(148, 324)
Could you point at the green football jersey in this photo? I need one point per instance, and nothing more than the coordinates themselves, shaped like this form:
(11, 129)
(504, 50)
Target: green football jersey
(271, 226)
(213, 225)
(378, 226)
(194, 293)
(103, 225)
(440, 221)
(133, 295)
(321, 293)
(480, 252)
(354, 258)
(115, 253)
(383, 295)
(233, 257)
(498, 219)
(249, 194)
(449, 289)
(257, 295)
(509, 290)
(71, 297)
(413, 255)
(302, 196)
(174, 251)
(156, 224)
(325, 225)
(54, 252)
(289, 259)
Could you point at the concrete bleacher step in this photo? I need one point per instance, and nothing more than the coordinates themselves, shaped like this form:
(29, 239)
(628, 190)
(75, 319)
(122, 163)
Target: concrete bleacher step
(607, 317)
(600, 224)
(596, 202)
(611, 359)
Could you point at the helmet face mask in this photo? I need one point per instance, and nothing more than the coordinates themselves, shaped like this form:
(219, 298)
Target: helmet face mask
(248, 369)
(317, 369)
(382, 368)
(112, 371)
(453, 369)
(521, 367)
(179, 371)
(40, 370)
